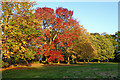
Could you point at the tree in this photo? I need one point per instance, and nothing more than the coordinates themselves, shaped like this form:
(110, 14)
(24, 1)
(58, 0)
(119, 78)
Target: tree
(94, 33)
(104, 46)
(20, 28)
(114, 39)
(83, 47)
(59, 29)
(103, 34)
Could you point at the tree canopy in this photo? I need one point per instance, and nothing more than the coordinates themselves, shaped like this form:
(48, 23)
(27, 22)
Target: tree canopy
(104, 47)
(30, 34)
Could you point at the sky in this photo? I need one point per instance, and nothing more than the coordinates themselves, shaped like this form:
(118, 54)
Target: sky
(94, 16)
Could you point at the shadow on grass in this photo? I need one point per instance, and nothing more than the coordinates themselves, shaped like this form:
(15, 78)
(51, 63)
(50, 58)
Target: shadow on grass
(64, 71)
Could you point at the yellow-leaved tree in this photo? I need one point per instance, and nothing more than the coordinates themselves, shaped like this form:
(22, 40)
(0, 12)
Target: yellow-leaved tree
(83, 48)
(20, 29)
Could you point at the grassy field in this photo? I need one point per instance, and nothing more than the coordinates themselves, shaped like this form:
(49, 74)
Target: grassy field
(91, 70)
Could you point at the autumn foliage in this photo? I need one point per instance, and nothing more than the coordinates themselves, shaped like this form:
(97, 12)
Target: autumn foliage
(45, 33)
(59, 28)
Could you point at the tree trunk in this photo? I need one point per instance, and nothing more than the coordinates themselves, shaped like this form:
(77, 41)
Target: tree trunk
(76, 61)
(68, 61)
(46, 60)
(84, 61)
(98, 61)
(73, 61)
(88, 61)
(107, 60)
(26, 61)
(58, 62)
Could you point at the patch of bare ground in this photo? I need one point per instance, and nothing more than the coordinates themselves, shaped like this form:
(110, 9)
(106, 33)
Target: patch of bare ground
(35, 65)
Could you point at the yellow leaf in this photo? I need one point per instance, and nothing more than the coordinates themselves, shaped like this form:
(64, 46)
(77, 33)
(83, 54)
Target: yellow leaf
(24, 42)
(6, 28)
(5, 54)
(8, 56)
(12, 53)
(8, 52)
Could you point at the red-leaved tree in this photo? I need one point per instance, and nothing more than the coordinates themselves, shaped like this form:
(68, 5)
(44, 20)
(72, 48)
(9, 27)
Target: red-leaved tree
(60, 30)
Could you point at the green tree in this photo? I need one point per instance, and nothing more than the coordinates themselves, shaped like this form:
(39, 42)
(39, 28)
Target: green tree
(115, 40)
(104, 47)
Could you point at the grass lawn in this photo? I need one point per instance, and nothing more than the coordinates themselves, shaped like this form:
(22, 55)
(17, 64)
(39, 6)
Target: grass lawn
(91, 70)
